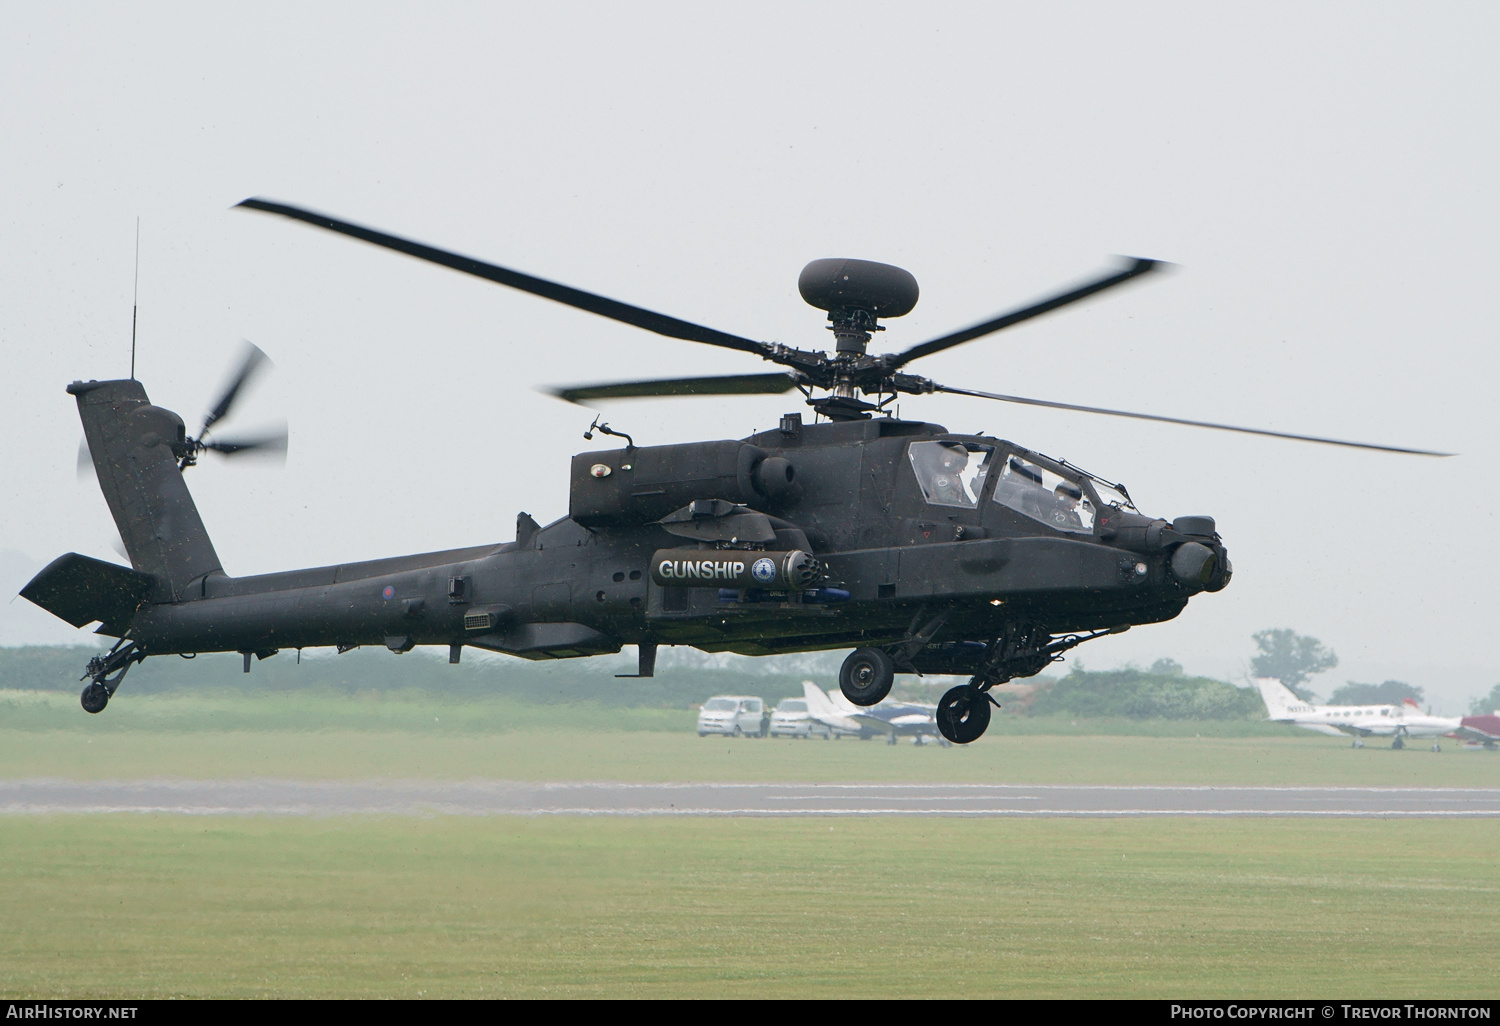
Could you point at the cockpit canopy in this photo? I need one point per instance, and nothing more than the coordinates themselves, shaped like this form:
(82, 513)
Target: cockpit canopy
(956, 473)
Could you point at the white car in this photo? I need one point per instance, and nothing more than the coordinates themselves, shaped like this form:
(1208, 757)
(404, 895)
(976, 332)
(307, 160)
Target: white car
(734, 715)
(791, 718)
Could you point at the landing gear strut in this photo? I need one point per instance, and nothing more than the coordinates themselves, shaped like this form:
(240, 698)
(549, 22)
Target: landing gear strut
(105, 672)
(1022, 651)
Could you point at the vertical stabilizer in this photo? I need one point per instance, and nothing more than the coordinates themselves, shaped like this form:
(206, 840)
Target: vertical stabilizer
(131, 443)
(1281, 703)
(823, 710)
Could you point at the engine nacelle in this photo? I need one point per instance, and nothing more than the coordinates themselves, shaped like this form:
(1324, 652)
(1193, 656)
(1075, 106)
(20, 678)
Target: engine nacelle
(644, 484)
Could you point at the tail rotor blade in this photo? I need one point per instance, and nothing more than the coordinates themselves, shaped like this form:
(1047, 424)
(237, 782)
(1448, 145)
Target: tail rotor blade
(271, 445)
(85, 460)
(253, 361)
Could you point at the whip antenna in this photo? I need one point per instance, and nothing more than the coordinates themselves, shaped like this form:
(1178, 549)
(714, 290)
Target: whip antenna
(135, 296)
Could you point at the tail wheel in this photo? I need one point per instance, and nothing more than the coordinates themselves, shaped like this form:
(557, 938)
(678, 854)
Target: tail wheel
(963, 714)
(867, 675)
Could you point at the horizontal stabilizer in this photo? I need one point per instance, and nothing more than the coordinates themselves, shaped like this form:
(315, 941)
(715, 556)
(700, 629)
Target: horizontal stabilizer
(80, 590)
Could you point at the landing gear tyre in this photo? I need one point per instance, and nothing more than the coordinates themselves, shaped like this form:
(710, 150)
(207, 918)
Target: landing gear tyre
(866, 676)
(94, 698)
(1397, 745)
(891, 740)
(737, 732)
(963, 714)
(1437, 748)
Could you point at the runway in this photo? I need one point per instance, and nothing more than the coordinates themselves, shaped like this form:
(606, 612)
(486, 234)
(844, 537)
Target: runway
(268, 797)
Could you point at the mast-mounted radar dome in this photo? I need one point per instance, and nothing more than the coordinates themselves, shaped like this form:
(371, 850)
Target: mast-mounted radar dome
(839, 285)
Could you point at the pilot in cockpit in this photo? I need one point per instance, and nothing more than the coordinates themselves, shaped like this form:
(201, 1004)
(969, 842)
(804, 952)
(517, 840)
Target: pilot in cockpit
(1065, 499)
(948, 482)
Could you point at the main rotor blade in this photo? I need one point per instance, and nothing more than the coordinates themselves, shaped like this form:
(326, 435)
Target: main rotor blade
(734, 384)
(1189, 423)
(1137, 267)
(611, 308)
(254, 360)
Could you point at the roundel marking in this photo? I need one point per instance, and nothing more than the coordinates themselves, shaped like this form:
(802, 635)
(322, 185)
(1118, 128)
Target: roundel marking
(763, 570)
(389, 592)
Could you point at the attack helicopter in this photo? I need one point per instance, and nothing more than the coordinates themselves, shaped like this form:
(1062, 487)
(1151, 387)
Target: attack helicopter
(923, 550)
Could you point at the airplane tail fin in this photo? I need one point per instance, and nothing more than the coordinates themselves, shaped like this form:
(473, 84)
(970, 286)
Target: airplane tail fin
(1278, 697)
(132, 445)
(818, 702)
(1412, 704)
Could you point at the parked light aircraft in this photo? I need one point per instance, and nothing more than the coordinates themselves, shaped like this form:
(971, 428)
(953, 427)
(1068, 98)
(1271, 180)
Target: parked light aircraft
(1397, 722)
(1483, 730)
(893, 719)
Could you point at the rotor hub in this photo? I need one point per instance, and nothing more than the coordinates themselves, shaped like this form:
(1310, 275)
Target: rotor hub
(856, 293)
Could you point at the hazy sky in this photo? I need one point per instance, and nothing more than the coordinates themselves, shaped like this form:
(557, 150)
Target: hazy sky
(1323, 175)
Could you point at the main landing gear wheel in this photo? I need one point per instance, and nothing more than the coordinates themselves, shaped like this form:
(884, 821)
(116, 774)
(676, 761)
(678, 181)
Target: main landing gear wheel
(1397, 744)
(1436, 747)
(94, 698)
(867, 675)
(963, 714)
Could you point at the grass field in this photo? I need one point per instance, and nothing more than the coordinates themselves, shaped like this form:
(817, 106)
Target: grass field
(677, 757)
(456, 907)
(129, 905)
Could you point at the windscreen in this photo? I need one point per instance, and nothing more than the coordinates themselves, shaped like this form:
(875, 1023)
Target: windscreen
(792, 705)
(720, 705)
(1043, 495)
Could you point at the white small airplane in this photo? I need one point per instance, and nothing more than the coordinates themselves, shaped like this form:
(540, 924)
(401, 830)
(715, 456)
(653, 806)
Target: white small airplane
(1397, 722)
(893, 719)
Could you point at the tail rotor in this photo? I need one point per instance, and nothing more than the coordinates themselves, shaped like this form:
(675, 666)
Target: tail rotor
(272, 444)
